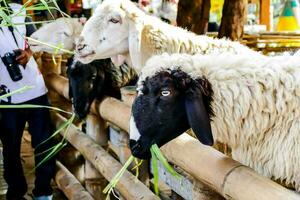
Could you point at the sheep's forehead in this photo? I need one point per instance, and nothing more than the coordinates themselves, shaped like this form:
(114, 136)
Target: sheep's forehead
(168, 63)
(108, 6)
(59, 25)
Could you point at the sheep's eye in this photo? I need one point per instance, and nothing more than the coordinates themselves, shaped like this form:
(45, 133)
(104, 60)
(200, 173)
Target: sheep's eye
(114, 20)
(165, 93)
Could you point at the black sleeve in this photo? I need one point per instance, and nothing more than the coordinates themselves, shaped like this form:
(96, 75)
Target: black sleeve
(30, 28)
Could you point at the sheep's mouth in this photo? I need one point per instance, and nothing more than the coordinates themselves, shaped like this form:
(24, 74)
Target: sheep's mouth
(84, 56)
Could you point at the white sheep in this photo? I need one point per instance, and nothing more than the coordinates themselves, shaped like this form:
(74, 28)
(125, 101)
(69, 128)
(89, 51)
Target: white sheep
(253, 104)
(118, 27)
(62, 32)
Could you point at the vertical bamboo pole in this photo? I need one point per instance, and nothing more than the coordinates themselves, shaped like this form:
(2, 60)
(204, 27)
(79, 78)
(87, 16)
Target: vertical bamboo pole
(70, 185)
(97, 130)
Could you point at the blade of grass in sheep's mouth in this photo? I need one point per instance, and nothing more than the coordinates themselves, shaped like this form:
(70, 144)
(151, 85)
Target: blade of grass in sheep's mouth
(56, 48)
(112, 184)
(156, 154)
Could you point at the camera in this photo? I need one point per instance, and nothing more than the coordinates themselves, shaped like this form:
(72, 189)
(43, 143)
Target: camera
(12, 66)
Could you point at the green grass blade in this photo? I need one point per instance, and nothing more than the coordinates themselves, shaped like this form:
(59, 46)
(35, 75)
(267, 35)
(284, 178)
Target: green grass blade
(54, 151)
(137, 167)
(21, 90)
(5, 17)
(59, 10)
(59, 146)
(112, 184)
(46, 151)
(164, 161)
(155, 171)
(58, 130)
(47, 7)
(20, 106)
(27, 23)
(50, 45)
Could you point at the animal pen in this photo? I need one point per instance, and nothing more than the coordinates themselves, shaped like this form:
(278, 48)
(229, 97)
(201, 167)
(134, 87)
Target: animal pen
(98, 149)
(207, 173)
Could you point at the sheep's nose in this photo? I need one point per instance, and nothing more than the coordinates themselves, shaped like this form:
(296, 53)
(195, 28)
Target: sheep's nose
(80, 47)
(80, 44)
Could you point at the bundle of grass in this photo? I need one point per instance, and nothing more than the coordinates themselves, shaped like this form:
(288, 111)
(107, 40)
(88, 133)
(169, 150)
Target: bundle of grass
(156, 155)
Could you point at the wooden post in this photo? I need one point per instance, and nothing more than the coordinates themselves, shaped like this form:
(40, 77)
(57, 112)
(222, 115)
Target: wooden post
(128, 185)
(128, 94)
(57, 83)
(70, 185)
(96, 129)
(233, 16)
(73, 160)
(51, 63)
(264, 13)
(193, 15)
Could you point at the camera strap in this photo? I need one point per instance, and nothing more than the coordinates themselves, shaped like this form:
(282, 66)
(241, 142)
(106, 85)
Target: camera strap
(11, 29)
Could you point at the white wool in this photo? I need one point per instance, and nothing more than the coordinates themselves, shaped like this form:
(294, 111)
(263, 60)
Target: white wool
(151, 36)
(256, 104)
(143, 36)
(62, 32)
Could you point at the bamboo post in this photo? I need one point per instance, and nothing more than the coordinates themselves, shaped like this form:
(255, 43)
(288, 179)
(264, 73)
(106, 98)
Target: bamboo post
(69, 184)
(128, 185)
(96, 129)
(128, 94)
(51, 63)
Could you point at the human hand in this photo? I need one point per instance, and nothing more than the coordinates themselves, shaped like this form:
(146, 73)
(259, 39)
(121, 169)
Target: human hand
(144, 3)
(24, 56)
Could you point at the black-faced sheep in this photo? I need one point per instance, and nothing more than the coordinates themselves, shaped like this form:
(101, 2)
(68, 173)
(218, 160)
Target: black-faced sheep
(250, 103)
(95, 80)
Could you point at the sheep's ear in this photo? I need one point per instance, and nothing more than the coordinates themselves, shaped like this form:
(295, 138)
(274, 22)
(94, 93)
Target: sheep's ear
(100, 82)
(198, 116)
(134, 39)
(70, 91)
(70, 88)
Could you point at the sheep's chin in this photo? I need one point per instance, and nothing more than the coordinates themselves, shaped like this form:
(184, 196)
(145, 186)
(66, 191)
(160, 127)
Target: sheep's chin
(87, 58)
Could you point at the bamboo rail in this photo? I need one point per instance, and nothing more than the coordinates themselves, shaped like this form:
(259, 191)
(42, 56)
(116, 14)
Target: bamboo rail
(129, 186)
(226, 176)
(70, 185)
